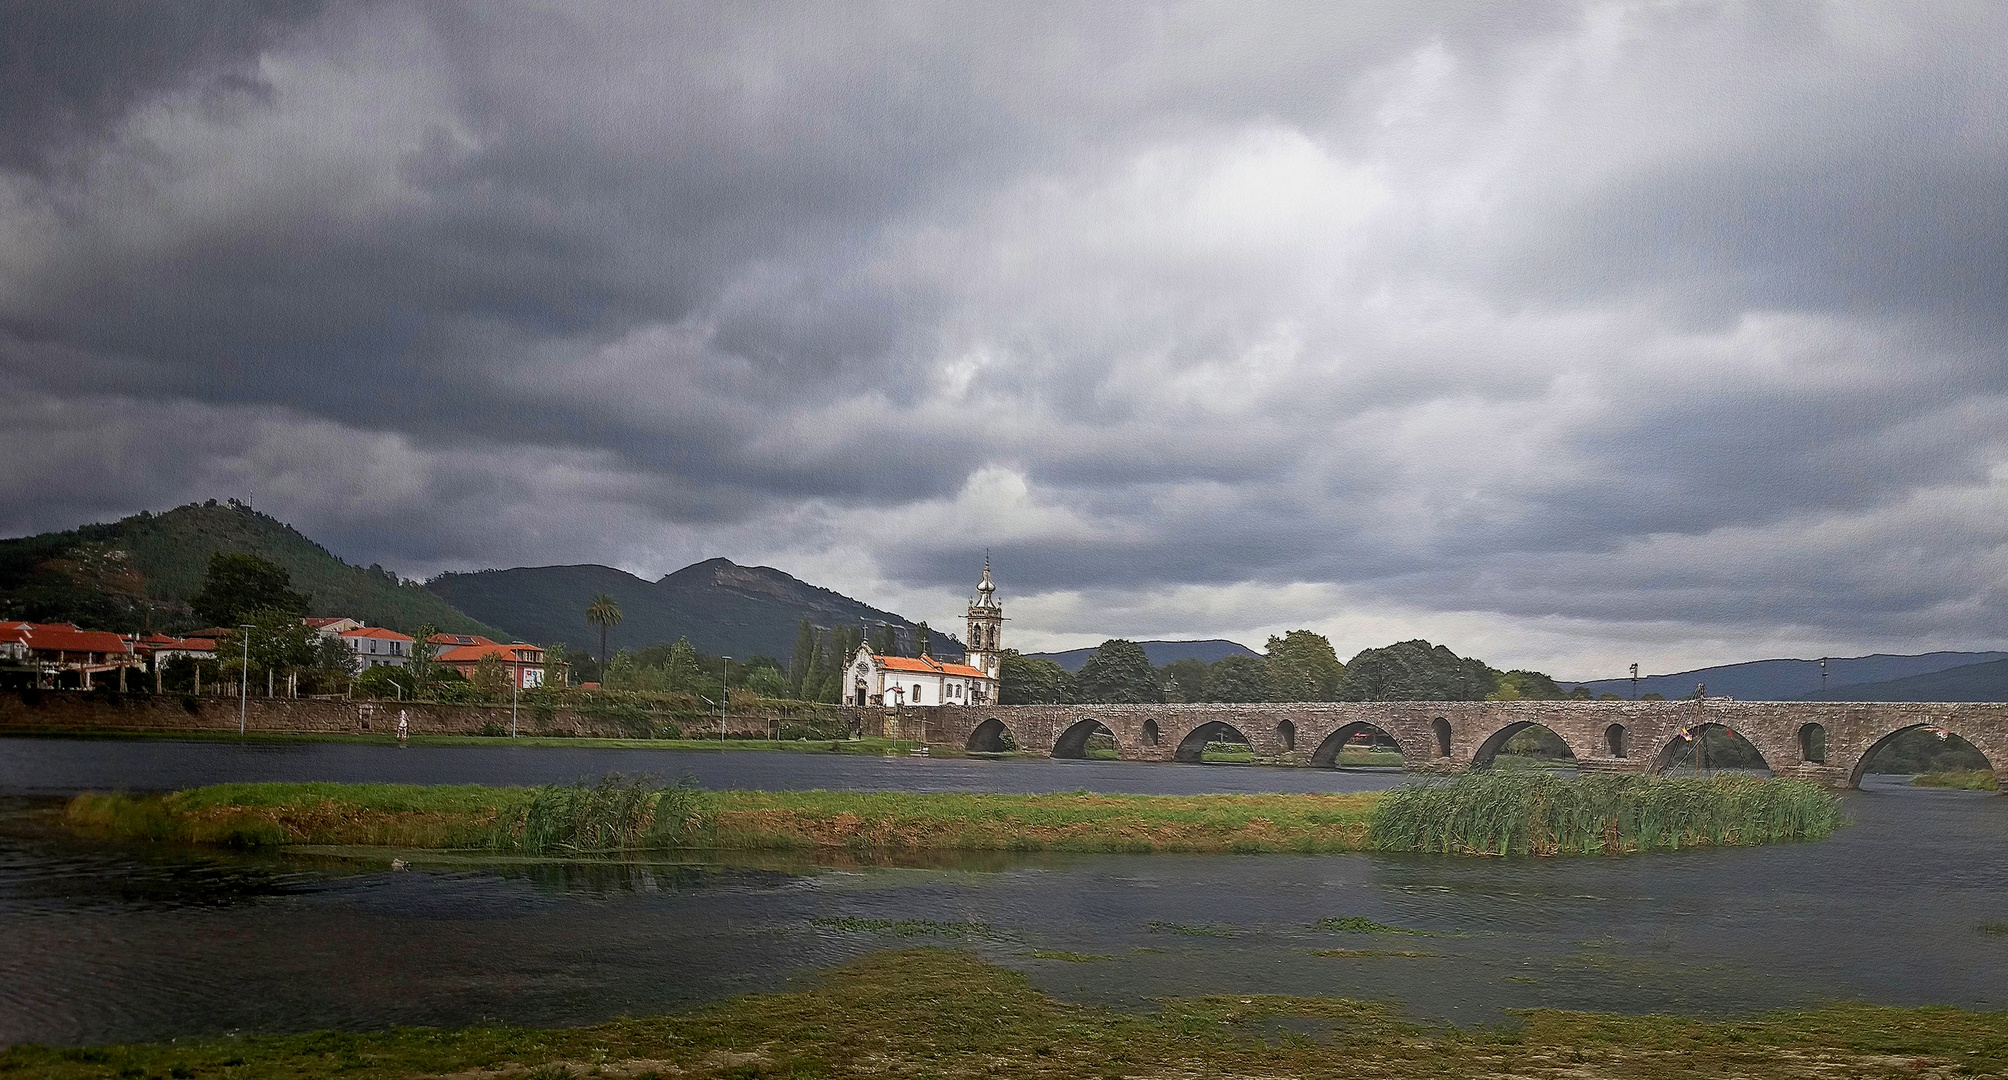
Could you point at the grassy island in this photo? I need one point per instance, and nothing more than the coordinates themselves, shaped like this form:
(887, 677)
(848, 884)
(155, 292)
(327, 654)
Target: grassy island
(932, 1012)
(1490, 814)
(1960, 779)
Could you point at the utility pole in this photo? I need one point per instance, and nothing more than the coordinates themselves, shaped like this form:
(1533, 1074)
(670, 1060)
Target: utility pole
(244, 680)
(724, 695)
(1823, 678)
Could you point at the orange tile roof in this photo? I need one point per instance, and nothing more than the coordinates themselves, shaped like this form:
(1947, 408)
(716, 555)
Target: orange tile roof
(470, 653)
(375, 632)
(927, 665)
(460, 639)
(62, 637)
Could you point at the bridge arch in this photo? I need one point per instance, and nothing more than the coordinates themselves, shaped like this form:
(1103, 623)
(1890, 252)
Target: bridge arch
(1073, 742)
(1496, 742)
(1672, 750)
(1151, 734)
(1615, 739)
(1286, 735)
(1326, 756)
(1862, 763)
(1440, 728)
(1192, 748)
(991, 737)
(1813, 743)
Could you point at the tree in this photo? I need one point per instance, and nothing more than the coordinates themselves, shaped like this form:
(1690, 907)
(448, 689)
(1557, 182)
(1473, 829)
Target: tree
(1240, 678)
(280, 645)
(1185, 680)
(769, 682)
(1525, 686)
(1303, 667)
(490, 678)
(803, 657)
(885, 641)
(1026, 680)
(680, 668)
(923, 640)
(238, 584)
(606, 615)
(1415, 671)
(555, 663)
(422, 669)
(1118, 674)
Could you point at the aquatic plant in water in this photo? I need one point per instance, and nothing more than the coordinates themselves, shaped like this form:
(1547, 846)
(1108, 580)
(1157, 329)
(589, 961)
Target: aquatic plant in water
(616, 814)
(1534, 814)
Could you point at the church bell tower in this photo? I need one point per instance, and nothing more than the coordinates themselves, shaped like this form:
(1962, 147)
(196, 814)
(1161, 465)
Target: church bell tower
(986, 618)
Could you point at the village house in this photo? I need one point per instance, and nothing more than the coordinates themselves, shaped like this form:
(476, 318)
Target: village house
(58, 654)
(876, 679)
(375, 646)
(524, 664)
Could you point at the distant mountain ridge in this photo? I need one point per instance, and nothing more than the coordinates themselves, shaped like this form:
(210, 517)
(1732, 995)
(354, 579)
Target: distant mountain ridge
(1799, 680)
(722, 607)
(1160, 653)
(1969, 682)
(139, 572)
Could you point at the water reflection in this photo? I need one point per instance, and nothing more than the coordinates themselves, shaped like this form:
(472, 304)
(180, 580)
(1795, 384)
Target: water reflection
(109, 943)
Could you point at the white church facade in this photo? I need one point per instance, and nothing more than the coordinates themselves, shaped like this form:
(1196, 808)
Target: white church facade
(875, 679)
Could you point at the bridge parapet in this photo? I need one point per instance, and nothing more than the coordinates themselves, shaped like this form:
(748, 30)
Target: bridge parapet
(1453, 736)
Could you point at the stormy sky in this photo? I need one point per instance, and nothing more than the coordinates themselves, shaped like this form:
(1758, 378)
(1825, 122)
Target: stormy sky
(1563, 334)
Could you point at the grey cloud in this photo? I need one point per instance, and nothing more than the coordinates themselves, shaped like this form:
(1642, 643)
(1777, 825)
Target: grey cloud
(780, 277)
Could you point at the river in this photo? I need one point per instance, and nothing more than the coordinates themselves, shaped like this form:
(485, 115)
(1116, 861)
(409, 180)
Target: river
(110, 942)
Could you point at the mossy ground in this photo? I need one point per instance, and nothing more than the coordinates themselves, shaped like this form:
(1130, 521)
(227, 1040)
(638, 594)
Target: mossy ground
(943, 1013)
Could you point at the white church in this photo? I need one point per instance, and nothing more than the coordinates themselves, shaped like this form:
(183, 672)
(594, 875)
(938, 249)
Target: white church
(923, 680)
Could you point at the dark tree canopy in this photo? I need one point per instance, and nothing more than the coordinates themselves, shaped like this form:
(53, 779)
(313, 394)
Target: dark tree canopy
(1416, 671)
(239, 585)
(1186, 680)
(1025, 680)
(1241, 678)
(1118, 674)
(1528, 686)
(1303, 667)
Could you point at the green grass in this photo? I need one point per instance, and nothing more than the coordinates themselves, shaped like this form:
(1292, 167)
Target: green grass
(1961, 779)
(1475, 814)
(1225, 753)
(1526, 813)
(943, 1013)
(1354, 924)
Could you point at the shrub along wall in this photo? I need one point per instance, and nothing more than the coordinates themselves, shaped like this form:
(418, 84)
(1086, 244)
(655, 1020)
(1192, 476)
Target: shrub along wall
(77, 712)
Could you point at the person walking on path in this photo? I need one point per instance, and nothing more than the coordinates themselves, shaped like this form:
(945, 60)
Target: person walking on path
(403, 726)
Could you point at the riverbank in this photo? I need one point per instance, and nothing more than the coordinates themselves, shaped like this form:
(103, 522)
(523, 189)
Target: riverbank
(504, 819)
(1958, 779)
(936, 1012)
(867, 746)
(1489, 814)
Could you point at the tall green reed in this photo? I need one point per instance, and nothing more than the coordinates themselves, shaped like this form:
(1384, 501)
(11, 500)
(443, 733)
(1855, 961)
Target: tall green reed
(1535, 814)
(615, 814)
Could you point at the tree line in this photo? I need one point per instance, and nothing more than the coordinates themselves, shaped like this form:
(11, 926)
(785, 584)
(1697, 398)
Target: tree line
(1298, 666)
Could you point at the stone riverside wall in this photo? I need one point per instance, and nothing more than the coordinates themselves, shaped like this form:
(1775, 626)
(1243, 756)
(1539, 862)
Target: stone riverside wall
(1452, 736)
(69, 711)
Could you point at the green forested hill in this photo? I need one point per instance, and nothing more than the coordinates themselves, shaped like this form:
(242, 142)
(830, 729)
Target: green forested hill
(139, 572)
(722, 607)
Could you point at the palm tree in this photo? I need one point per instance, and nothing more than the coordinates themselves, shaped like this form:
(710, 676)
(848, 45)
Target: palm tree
(606, 615)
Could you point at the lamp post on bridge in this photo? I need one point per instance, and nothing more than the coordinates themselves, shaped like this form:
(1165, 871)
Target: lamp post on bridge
(1634, 682)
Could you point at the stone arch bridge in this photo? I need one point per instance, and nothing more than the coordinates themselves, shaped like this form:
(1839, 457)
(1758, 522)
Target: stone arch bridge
(1826, 742)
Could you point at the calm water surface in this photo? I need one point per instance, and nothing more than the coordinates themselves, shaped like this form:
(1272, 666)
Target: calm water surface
(106, 942)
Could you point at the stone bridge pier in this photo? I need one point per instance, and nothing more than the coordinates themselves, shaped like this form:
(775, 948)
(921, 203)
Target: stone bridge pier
(1827, 742)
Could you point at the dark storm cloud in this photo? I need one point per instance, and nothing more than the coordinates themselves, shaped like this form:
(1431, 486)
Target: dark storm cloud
(69, 72)
(1598, 312)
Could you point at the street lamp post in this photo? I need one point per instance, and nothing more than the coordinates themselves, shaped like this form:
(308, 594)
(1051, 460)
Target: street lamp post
(898, 724)
(1823, 678)
(724, 695)
(244, 679)
(515, 689)
(1634, 682)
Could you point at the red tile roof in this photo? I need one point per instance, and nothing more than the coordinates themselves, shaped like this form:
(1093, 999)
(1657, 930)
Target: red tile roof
(927, 665)
(460, 639)
(375, 632)
(468, 654)
(62, 637)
